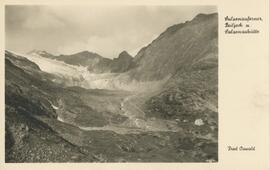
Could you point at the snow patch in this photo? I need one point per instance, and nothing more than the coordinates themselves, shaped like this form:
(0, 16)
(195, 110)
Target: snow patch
(60, 119)
(198, 122)
(54, 107)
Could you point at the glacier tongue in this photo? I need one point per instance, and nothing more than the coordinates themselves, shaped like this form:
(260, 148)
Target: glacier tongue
(56, 67)
(80, 76)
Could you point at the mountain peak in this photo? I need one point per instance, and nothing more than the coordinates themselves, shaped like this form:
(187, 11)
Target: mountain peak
(38, 52)
(124, 54)
(204, 16)
(42, 53)
(86, 54)
(177, 47)
(200, 17)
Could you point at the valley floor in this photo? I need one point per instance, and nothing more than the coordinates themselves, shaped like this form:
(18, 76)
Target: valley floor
(136, 139)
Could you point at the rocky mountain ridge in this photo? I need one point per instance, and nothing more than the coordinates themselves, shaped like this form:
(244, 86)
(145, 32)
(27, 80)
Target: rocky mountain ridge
(93, 61)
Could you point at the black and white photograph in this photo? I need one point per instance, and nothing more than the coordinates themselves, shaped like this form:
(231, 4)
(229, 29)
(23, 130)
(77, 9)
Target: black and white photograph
(111, 83)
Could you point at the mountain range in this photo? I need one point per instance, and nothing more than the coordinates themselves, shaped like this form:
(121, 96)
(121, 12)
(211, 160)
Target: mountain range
(94, 62)
(159, 106)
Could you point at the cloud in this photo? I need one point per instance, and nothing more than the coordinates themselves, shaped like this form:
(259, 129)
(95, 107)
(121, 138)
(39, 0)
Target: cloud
(106, 30)
(33, 22)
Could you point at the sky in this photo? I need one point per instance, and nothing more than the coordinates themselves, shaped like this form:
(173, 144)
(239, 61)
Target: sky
(106, 30)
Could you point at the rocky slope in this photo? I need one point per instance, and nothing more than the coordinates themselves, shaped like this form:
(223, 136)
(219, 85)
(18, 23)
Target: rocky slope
(24, 99)
(32, 100)
(180, 47)
(190, 96)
